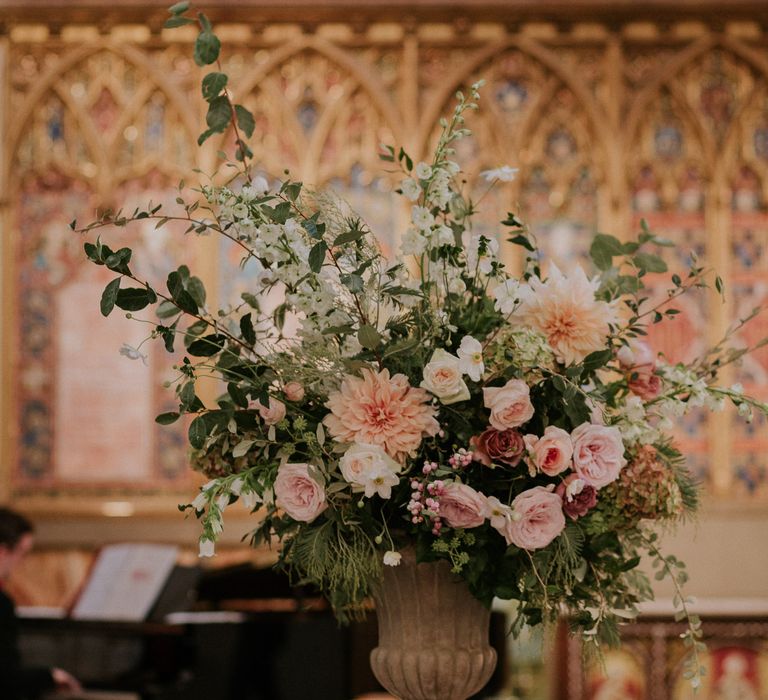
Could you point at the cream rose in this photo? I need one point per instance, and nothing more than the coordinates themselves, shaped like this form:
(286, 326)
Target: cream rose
(598, 454)
(298, 494)
(361, 462)
(510, 404)
(462, 506)
(273, 413)
(442, 378)
(550, 454)
(537, 518)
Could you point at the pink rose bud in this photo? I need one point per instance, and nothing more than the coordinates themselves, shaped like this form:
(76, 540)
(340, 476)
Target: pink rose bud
(461, 506)
(298, 494)
(294, 391)
(537, 518)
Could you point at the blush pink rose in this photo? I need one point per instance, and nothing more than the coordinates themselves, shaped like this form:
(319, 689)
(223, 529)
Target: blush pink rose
(293, 391)
(462, 506)
(551, 453)
(510, 404)
(298, 494)
(273, 413)
(505, 446)
(537, 518)
(598, 454)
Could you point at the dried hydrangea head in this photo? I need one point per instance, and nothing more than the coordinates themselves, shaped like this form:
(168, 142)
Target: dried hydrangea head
(647, 489)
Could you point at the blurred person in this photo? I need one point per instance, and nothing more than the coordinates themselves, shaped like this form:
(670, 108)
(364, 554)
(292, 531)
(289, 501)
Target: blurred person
(17, 682)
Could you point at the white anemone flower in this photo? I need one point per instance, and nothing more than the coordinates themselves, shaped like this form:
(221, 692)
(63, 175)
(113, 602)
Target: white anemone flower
(471, 358)
(132, 353)
(392, 558)
(503, 174)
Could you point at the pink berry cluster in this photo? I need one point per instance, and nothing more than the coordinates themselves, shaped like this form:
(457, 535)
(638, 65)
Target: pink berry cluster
(425, 500)
(461, 459)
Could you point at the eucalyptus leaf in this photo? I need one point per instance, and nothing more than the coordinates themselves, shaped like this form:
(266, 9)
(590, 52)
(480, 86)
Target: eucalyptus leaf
(213, 84)
(242, 448)
(167, 418)
(208, 345)
(219, 113)
(207, 47)
(317, 256)
(196, 290)
(197, 432)
(134, 298)
(109, 296)
(245, 120)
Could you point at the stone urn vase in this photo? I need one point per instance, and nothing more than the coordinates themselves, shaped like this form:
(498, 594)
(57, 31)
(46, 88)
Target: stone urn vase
(433, 634)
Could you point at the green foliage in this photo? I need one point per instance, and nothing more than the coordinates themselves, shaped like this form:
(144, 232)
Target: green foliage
(341, 559)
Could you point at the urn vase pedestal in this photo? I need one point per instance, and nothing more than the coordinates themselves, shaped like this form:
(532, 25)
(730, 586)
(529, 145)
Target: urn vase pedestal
(433, 634)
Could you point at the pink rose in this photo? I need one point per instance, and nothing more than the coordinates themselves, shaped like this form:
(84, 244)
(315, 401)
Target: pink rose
(598, 453)
(462, 506)
(640, 360)
(644, 383)
(578, 497)
(551, 453)
(505, 446)
(510, 404)
(274, 413)
(298, 494)
(293, 391)
(537, 518)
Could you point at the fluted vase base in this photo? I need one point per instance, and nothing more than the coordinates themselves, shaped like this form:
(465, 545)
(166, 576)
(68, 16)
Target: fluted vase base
(433, 634)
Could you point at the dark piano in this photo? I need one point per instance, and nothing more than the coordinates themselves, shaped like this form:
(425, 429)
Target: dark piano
(249, 636)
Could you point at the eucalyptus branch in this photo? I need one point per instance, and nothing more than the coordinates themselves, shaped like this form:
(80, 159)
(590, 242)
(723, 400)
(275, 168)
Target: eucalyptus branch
(670, 567)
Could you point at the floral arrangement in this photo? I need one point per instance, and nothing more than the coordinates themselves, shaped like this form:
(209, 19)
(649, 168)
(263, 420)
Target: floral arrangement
(514, 424)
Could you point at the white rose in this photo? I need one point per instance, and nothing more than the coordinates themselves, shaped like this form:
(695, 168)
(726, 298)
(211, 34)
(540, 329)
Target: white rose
(442, 377)
(362, 460)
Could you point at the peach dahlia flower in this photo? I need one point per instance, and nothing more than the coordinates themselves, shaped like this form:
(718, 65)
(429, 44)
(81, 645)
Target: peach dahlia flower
(377, 409)
(565, 310)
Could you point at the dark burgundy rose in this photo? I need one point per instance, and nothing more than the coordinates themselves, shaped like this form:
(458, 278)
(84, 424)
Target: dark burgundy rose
(577, 504)
(505, 446)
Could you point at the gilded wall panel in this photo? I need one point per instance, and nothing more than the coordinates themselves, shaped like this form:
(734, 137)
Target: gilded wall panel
(607, 125)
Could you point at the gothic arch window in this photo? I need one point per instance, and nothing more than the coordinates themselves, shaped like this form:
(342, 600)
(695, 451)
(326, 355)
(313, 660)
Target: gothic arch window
(607, 127)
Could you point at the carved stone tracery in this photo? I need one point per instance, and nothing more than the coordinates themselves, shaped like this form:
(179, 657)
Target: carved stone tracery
(606, 129)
